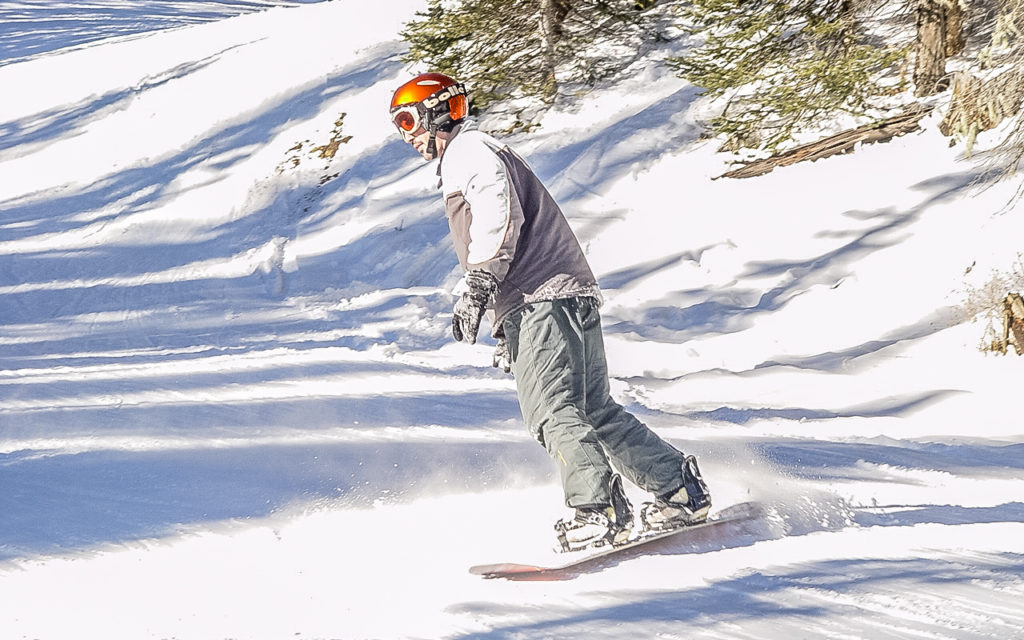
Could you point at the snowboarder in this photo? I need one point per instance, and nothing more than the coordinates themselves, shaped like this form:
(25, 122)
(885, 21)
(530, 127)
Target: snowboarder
(524, 267)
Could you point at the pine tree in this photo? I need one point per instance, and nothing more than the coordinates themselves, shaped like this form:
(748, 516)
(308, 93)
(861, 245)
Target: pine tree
(991, 91)
(783, 65)
(528, 48)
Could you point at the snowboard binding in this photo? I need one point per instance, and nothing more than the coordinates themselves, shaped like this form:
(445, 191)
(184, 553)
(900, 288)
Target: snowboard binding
(596, 527)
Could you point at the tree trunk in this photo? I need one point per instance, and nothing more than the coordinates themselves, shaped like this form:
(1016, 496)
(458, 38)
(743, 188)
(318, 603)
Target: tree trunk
(930, 66)
(956, 39)
(552, 20)
(1013, 324)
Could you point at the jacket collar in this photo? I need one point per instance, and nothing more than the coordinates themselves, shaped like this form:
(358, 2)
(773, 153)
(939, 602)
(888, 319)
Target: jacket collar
(466, 124)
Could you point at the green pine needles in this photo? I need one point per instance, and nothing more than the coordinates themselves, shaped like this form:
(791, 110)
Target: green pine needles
(782, 65)
(530, 49)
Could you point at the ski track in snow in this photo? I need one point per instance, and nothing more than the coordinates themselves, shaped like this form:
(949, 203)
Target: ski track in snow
(230, 408)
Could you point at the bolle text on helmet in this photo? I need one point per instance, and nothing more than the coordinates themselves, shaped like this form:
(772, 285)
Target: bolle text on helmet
(444, 95)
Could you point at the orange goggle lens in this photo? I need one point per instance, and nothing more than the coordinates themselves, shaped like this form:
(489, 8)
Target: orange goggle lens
(406, 119)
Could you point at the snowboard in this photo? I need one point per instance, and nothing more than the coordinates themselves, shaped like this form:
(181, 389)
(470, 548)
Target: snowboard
(574, 562)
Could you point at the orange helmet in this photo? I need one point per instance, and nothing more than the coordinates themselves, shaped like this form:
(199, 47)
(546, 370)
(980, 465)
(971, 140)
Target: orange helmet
(433, 101)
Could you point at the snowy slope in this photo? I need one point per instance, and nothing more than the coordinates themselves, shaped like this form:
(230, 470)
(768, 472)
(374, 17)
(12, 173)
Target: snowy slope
(230, 407)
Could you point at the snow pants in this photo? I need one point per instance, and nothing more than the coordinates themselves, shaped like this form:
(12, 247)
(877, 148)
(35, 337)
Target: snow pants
(558, 358)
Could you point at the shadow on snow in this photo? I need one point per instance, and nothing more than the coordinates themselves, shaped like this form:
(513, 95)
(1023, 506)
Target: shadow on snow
(787, 601)
(34, 28)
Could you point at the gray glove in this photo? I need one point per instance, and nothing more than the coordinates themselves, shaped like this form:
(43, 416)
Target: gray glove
(470, 307)
(502, 356)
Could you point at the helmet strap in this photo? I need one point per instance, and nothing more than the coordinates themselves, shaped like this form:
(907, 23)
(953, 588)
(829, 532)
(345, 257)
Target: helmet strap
(432, 142)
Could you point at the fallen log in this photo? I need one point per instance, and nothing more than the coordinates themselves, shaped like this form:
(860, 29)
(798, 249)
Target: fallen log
(842, 142)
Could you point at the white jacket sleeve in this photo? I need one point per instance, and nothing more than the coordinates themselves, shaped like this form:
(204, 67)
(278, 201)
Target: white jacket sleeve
(480, 203)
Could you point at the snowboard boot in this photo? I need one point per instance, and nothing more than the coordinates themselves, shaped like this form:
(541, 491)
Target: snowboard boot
(597, 526)
(683, 507)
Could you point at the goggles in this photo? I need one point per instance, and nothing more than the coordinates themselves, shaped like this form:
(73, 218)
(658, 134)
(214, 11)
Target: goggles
(406, 118)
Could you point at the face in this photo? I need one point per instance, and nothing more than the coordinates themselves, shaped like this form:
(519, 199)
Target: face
(420, 138)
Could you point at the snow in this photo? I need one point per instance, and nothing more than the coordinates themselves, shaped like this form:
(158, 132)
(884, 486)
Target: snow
(230, 407)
